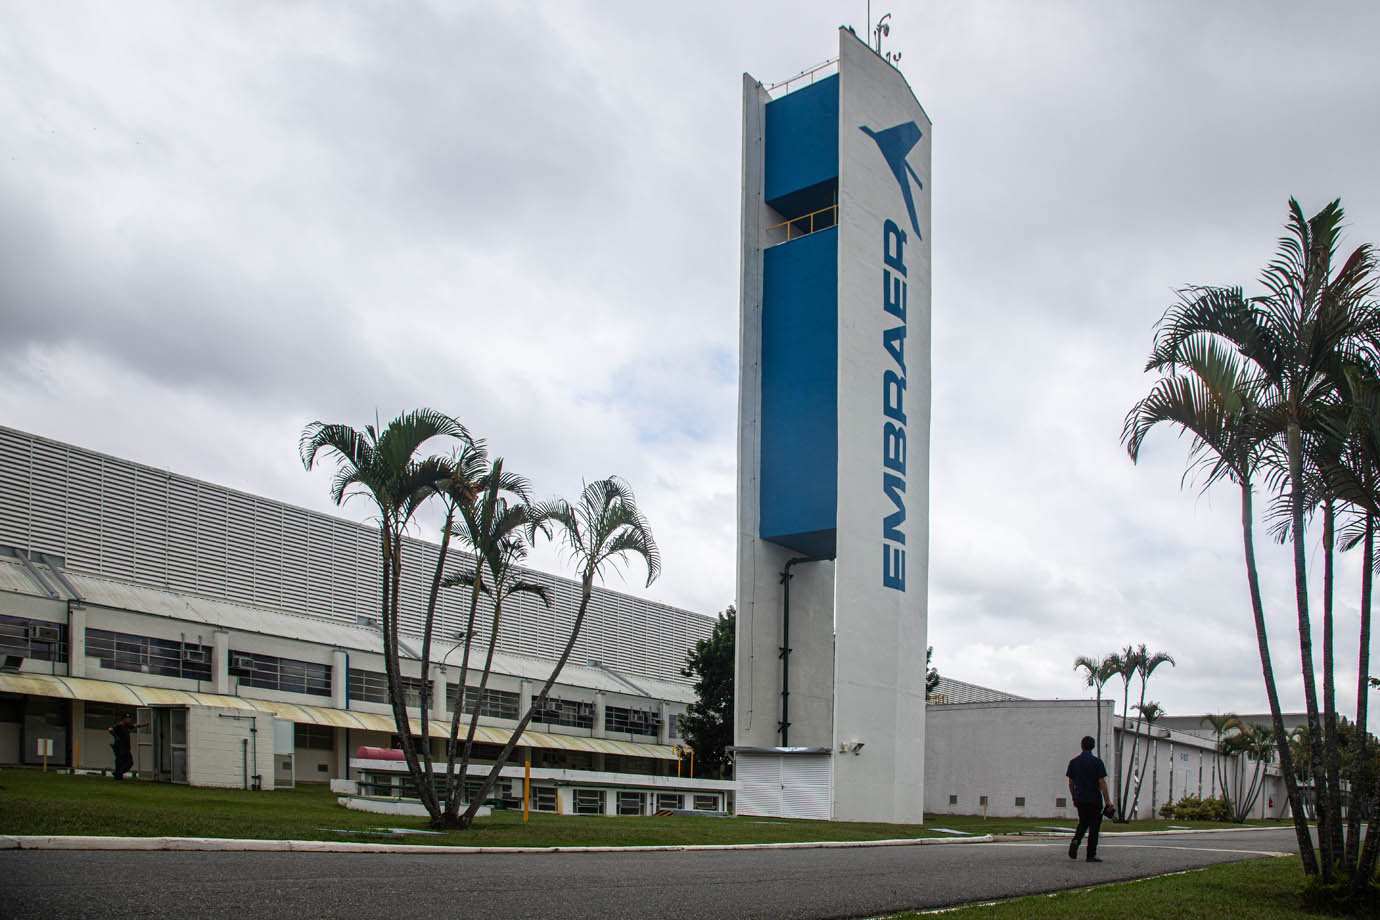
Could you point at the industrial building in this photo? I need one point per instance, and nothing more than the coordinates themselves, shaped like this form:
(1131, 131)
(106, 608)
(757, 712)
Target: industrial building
(993, 753)
(245, 630)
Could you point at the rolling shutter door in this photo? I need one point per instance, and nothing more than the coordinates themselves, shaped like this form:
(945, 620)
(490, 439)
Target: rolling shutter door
(806, 786)
(759, 784)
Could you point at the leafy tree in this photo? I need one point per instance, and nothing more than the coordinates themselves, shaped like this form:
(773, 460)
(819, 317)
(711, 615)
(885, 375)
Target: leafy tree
(707, 725)
(931, 673)
(384, 465)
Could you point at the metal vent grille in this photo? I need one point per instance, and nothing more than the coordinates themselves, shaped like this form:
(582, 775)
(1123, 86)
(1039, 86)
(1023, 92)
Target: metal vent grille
(116, 519)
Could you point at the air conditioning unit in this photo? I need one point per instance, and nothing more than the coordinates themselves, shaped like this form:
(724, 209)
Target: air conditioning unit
(44, 632)
(241, 663)
(194, 655)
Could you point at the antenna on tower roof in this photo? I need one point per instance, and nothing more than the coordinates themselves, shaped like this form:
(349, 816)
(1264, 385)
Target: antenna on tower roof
(880, 31)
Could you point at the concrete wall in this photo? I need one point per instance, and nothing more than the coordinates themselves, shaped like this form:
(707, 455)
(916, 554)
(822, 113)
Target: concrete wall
(1020, 749)
(1006, 751)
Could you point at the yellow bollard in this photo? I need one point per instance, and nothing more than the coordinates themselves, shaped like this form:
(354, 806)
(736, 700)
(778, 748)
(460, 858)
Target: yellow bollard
(526, 784)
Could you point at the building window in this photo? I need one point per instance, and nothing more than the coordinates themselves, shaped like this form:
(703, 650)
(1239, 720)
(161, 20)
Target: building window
(630, 803)
(669, 801)
(1061, 802)
(543, 798)
(589, 801)
(631, 721)
(315, 737)
(100, 716)
(286, 674)
(565, 712)
(147, 655)
(36, 639)
(673, 725)
(1020, 801)
(706, 803)
(953, 800)
(498, 704)
(372, 687)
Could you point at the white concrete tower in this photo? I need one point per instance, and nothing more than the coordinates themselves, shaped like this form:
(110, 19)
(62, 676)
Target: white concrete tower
(833, 455)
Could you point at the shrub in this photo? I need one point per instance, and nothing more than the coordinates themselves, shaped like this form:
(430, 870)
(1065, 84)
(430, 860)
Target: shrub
(1194, 808)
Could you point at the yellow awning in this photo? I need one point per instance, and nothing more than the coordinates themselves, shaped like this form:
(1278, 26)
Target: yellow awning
(106, 691)
(109, 691)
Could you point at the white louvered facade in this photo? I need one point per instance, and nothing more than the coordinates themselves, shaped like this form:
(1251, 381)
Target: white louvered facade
(116, 519)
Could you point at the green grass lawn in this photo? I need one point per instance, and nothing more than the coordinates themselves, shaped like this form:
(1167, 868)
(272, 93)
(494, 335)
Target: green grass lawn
(32, 802)
(1259, 889)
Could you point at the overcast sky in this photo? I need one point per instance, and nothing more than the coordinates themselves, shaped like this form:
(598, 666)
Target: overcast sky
(219, 222)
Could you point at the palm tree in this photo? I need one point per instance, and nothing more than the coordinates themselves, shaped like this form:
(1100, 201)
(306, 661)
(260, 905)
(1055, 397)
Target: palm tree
(504, 582)
(1221, 724)
(1097, 672)
(1254, 742)
(1208, 391)
(382, 464)
(487, 520)
(602, 528)
(1152, 712)
(1123, 665)
(1299, 337)
(1146, 663)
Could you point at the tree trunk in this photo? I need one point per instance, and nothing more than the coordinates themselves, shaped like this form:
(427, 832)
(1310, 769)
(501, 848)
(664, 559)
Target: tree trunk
(1135, 743)
(428, 626)
(392, 577)
(1286, 754)
(1099, 720)
(1327, 857)
(456, 782)
(483, 678)
(1362, 705)
(586, 588)
(1331, 759)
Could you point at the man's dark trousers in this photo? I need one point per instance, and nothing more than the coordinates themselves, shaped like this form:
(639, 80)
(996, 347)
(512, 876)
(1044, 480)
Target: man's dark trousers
(1089, 822)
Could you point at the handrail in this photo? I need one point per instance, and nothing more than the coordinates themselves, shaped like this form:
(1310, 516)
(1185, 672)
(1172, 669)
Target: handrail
(808, 72)
(805, 224)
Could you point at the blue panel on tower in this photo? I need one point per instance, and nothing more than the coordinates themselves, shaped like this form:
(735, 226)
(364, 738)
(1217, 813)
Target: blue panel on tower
(799, 463)
(802, 148)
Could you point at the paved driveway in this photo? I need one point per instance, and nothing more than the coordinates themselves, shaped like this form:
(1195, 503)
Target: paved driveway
(692, 885)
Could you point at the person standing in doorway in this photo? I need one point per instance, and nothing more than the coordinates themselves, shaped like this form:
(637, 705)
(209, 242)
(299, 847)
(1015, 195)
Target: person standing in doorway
(1087, 777)
(124, 755)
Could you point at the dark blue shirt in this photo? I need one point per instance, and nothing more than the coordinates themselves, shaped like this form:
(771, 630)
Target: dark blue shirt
(1084, 771)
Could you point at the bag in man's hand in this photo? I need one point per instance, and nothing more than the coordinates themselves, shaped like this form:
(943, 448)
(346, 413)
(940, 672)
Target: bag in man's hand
(1109, 811)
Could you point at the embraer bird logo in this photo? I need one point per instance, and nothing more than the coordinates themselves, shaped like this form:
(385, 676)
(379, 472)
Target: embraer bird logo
(896, 144)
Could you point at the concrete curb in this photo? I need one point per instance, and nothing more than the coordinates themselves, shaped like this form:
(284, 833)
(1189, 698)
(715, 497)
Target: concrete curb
(328, 846)
(1200, 830)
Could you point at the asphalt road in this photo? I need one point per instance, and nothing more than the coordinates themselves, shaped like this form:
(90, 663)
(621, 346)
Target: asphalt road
(816, 883)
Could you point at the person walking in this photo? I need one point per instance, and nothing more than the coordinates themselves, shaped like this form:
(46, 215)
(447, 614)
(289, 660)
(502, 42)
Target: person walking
(124, 755)
(1087, 777)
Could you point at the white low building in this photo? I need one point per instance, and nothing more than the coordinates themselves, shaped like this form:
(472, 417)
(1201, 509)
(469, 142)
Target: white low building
(997, 754)
(244, 630)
